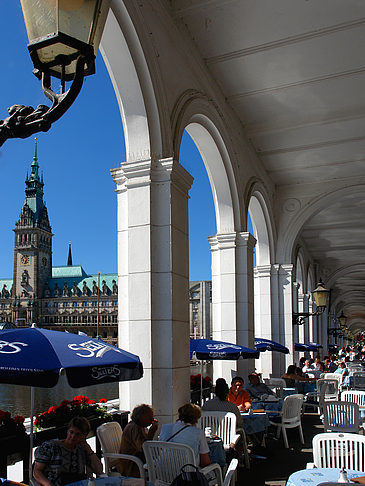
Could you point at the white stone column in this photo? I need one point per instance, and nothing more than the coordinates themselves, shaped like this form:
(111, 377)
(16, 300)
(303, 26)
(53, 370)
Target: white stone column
(224, 312)
(286, 307)
(263, 316)
(297, 329)
(279, 364)
(153, 281)
(324, 335)
(245, 299)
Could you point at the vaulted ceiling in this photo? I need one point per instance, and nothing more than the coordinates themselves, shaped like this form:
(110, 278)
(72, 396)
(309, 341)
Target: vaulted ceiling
(294, 73)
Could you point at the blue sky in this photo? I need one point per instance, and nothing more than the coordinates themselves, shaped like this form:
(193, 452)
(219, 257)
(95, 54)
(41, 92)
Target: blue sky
(75, 157)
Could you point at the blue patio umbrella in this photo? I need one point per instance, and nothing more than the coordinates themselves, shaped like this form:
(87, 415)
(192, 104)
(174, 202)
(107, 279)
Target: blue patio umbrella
(36, 357)
(207, 349)
(268, 345)
(315, 345)
(304, 347)
(210, 350)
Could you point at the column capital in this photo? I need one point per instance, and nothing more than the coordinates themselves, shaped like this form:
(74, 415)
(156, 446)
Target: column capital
(142, 172)
(246, 239)
(286, 269)
(222, 241)
(263, 271)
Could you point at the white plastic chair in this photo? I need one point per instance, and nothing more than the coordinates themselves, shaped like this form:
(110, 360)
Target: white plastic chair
(165, 460)
(290, 417)
(339, 450)
(355, 396)
(341, 417)
(231, 473)
(358, 380)
(223, 424)
(326, 390)
(335, 376)
(110, 437)
(277, 384)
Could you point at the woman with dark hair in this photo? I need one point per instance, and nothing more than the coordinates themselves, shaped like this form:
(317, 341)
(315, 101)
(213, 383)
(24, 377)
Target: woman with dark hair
(291, 377)
(59, 462)
(221, 404)
(134, 434)
(184, 431)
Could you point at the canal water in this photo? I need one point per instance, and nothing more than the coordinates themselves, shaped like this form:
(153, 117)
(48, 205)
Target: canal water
(16, 399)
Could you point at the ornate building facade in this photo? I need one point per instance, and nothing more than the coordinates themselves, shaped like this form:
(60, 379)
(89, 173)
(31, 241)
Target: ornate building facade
(61, 297)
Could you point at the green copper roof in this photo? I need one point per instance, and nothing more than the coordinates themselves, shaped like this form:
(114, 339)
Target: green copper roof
(68, 271)
(69, 279)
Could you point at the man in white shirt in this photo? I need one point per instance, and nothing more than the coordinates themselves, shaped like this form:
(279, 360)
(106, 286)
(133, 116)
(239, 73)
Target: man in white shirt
(308, 366)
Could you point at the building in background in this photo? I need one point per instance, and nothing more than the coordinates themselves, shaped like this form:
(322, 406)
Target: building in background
(55, 297)
(200, 301)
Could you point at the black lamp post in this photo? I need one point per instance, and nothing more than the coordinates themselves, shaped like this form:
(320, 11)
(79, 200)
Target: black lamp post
(320, 295)
(64, 37)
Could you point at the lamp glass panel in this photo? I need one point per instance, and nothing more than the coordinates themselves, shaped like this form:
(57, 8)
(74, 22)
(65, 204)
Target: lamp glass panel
(320, 295)
(40, 17)
(83, 20)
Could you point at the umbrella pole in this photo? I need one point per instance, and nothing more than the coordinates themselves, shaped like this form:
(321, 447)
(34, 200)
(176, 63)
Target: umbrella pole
(201, 383)
(31, 431)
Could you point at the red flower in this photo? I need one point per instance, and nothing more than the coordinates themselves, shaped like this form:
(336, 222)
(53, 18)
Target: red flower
(18, 419)
(52, 409)
(103, 400)
(81, 398)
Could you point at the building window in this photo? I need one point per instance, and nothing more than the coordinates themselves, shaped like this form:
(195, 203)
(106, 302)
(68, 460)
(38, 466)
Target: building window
(195, 295)
(115, 303)
(74, 304)
(104, 303)
(195, 305)
(84, 303)
(94, 303)
(65, 304)
(195, 316)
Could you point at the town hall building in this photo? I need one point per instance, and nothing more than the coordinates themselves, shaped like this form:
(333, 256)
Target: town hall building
(54, 297)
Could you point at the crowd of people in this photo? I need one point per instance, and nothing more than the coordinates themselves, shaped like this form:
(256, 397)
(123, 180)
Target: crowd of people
(58, 462)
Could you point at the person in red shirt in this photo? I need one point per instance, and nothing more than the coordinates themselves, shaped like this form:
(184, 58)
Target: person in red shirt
(238, 395)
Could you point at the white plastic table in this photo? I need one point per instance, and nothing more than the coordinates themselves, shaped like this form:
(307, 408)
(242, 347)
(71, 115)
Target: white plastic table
(312, 477)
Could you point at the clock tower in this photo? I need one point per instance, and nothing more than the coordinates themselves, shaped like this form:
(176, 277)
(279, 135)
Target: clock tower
(32, 249)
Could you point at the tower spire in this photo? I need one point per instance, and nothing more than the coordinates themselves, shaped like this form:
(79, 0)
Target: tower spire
(69, 259)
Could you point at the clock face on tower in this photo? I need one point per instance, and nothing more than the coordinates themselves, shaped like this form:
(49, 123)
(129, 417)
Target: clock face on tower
(44, 261)
(25, 260)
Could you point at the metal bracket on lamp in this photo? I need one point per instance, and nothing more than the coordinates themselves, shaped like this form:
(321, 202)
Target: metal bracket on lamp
(300, 317)
(25, 120)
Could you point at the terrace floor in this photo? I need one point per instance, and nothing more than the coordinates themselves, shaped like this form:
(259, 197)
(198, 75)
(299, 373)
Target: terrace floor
(281, 462)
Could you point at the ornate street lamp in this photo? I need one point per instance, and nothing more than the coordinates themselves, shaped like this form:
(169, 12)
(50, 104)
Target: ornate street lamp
(334, 331)
(64, 37)
(320, 296)
(342, 319)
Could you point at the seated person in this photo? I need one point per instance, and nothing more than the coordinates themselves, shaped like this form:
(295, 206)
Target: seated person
(256, 389)
(134, 434)
(184, 431)
(291, 377)
(342, 370)
(220, 402)
(308, 366)
(238, 395)
(59, 462)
